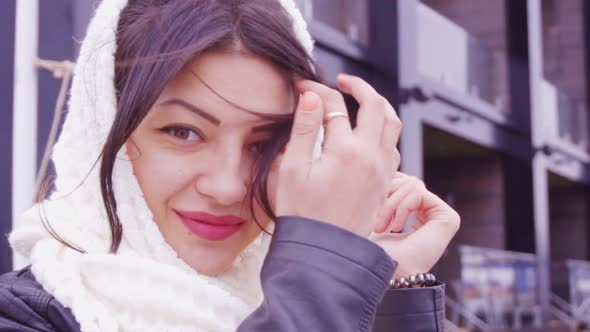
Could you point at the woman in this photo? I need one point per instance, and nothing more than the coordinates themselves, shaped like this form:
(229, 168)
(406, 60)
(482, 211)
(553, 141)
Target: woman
(195, 131)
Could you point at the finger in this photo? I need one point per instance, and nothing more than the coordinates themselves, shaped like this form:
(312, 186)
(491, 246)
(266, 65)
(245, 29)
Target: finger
(399, 179)
(371, 114)
(437, 233)
(304, 132)
(409, 204)
(391, 204)
(390, 155)
(391, 131)
(399, 189)
(395, 159)
(443, 222)
(433, 209)
(338, 127)
(399, 221)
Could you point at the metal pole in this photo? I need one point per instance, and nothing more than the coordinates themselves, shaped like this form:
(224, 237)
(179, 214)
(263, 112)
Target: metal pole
(24, 143)
(540, 176)
(411, 139)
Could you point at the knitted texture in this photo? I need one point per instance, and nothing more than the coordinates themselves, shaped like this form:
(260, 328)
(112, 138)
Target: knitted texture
(145, 286)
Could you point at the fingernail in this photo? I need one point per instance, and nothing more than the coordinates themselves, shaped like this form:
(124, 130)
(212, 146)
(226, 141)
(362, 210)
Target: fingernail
(343, 82)
(308, 101)
(377, 227)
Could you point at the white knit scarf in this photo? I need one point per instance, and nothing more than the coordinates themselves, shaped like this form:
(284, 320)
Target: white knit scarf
(145, 286)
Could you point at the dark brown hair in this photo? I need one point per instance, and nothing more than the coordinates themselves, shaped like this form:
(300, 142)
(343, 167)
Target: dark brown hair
(156, 38)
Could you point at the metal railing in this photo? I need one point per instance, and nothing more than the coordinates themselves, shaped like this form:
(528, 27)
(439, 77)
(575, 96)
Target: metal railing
(568, 313)
(471, 320)
(448, 54)
(582, 312)
(565, 118)
(560, 304)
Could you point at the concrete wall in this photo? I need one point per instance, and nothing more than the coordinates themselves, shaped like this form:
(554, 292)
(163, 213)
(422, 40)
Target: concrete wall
(565, 65)
(473, 185)
(563, 46)
(569, 229)
(569, 223)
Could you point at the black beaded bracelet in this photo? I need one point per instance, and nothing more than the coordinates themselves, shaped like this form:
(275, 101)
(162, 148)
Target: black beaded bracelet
(420, 280)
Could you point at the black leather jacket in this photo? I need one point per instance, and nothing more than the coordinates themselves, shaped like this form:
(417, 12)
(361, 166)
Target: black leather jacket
(309, 283)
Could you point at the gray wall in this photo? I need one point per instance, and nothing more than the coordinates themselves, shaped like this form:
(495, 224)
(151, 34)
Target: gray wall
(7, 23)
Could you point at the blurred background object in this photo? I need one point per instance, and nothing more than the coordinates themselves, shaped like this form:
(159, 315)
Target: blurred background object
(493, 96)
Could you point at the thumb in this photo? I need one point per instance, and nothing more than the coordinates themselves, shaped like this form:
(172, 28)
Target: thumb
(306, 125)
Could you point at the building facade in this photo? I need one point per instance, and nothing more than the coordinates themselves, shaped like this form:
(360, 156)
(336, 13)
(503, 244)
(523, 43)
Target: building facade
(492, 94)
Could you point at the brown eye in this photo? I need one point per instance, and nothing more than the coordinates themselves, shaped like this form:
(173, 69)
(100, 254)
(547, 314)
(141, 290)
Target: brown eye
(183, 133)
(259, 147)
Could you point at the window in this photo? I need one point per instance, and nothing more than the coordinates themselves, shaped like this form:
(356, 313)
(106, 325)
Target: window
(350, 17)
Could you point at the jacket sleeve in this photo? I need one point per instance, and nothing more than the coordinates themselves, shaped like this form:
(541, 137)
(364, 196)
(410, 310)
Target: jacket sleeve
(318, 277)
(25, 307)
(412, 310)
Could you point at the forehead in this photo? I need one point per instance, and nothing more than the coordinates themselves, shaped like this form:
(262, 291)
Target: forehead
(237, 80)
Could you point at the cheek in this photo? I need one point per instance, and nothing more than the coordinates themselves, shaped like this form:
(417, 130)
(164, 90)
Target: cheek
(161, 176)
(254, 229)
(261, 217)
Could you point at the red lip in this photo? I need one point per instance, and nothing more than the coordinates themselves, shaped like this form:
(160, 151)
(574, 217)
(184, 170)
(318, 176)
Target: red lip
(208, 226)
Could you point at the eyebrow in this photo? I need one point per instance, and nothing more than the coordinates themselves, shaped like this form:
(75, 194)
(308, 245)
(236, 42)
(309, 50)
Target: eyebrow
(192, 108)
(215, 121)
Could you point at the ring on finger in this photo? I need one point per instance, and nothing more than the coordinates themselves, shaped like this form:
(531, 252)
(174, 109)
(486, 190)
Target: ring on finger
(336, 114)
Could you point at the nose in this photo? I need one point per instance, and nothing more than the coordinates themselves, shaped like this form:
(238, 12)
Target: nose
(225, 181)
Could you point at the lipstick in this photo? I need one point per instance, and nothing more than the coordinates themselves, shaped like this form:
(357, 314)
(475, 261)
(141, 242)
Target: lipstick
(208, 226)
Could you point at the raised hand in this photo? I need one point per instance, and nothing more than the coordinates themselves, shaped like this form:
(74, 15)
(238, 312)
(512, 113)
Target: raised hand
(349, 183)
(434, 225)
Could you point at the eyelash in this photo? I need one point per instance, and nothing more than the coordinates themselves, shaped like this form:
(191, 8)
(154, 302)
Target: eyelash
(169, 130)
(263, 144)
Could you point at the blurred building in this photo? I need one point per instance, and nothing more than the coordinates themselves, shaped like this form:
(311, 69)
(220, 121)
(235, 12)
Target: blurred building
(493, 97)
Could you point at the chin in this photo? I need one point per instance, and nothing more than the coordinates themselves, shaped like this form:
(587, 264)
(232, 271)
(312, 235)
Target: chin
(211, 264)
(213, 271)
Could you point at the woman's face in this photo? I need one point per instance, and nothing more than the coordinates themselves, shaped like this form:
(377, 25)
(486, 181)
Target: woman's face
(194, 152)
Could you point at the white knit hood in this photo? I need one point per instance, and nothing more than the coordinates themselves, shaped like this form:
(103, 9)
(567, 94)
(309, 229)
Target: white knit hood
(145, 286)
